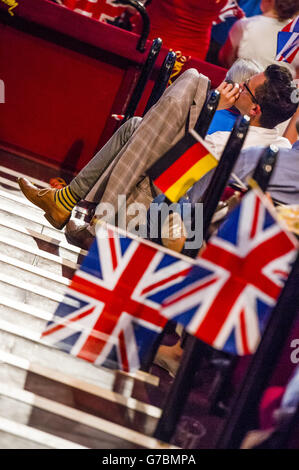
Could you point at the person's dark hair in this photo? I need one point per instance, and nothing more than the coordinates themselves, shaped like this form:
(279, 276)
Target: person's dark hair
(277, 96)
(286, 9)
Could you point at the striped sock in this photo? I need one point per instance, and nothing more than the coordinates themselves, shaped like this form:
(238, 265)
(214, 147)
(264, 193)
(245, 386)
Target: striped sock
(66, 198)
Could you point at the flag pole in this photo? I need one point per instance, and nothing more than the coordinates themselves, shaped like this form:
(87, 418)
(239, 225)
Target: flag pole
(261, 177)
(143, 78)
(264, 169)
(205, 118)
(162, 80)
(263, 363)
(221, 176)
(194, 349)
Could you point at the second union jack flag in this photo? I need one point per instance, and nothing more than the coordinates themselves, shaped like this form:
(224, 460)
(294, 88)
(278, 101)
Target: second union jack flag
(288, 42)
(237, 280)
(111, 311)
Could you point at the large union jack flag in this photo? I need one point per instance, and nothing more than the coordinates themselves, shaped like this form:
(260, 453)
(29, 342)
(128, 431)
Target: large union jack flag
(288, 42)
(237, 280)
(111, 311)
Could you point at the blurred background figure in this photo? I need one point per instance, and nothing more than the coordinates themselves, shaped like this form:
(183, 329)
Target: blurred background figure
(256, 37)
(221, 29)
(184, 25)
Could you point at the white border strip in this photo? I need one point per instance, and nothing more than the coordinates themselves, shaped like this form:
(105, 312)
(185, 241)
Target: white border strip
(86, 419)
(68, 380)
(40, 437)
(142, 376)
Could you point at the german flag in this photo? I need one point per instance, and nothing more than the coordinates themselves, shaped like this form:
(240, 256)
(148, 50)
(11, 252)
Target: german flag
(184, 164)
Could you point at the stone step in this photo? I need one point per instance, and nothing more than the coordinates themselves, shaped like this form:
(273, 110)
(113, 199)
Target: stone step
(59, 240)
(13, 266)
(15, 435)
(64, 257)
(68, 390)
(58, 419)
(23, 315)
(50, 399)
(27, 344)
(5, 171)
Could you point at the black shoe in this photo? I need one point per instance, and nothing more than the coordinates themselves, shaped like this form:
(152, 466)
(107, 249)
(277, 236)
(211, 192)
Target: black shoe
(77, 234)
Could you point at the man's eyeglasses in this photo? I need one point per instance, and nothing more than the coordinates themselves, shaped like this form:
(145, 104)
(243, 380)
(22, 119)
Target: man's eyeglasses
(245, 84)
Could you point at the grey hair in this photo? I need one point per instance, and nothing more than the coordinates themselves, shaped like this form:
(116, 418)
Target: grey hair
(242, 69)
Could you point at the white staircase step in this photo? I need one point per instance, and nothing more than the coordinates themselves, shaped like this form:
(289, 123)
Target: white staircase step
(37, 252)
(18, 174)
(59, 241)
(114, 431)
(36, 265)
(52, 374)
(26, 437)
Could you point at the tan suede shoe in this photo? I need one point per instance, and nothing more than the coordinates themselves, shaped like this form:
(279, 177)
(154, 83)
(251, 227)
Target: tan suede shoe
(44, 198)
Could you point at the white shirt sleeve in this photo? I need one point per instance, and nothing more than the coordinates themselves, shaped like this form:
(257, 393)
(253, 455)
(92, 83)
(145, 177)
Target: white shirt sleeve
(216, 142)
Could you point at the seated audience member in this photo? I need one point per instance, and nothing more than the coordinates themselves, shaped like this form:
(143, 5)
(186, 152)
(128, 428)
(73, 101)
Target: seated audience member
(240, 71)
(119, 167)
(184, 25)
(256, 37)
(277, 409)
(221, 30)
(284, 183)
(266, 99)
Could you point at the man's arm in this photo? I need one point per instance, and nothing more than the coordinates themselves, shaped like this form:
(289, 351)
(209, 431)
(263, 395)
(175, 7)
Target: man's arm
(228, 95)
(291, 130)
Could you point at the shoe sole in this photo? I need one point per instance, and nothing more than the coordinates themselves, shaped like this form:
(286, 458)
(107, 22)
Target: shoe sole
(74, 241)
(54, 223)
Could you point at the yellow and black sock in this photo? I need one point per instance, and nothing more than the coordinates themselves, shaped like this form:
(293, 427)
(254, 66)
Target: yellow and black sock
(66, 198)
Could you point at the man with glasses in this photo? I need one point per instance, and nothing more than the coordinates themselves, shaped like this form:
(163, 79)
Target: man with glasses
(267, 99)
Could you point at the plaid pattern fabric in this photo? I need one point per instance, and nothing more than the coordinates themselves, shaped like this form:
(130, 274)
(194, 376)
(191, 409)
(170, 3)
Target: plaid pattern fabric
(159, 130)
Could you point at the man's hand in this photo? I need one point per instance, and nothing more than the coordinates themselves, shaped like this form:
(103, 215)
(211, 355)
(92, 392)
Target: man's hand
(228, 95)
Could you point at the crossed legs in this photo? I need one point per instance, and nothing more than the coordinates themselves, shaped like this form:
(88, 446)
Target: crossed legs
(58, 203)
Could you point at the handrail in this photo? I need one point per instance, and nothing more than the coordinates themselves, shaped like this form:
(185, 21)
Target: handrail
(161, 81)
(143, 78)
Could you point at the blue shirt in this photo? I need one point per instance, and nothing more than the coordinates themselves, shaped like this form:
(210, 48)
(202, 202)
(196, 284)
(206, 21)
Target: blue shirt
(223, 120)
